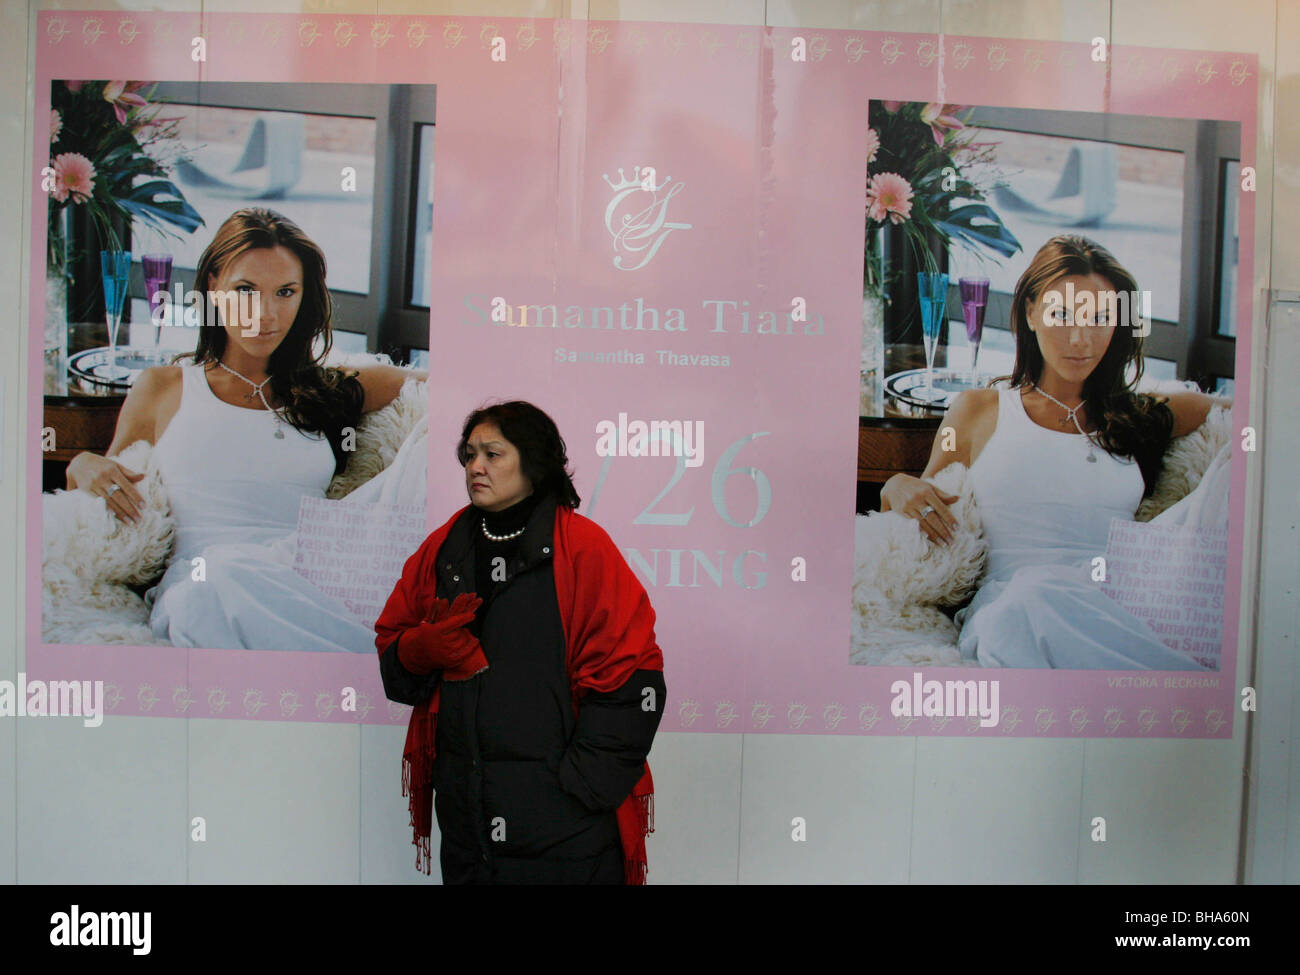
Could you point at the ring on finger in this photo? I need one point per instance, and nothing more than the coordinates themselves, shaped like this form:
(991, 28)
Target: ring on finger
(112, 490)
(927, 510)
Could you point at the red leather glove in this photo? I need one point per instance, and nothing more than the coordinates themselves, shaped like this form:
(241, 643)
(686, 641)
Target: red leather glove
(442, 642)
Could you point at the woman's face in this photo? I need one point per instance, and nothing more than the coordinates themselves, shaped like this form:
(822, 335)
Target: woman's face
(494, 475)
(257, 296)
(1072, 322)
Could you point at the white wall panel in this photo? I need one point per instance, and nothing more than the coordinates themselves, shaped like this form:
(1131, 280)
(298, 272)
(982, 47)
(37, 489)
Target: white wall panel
(854, 795)
(280, 800)
(996, 811)
(101, 805)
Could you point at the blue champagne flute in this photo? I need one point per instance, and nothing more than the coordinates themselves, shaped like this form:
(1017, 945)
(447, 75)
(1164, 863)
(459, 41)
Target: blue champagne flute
(932, 287)
(116, 269)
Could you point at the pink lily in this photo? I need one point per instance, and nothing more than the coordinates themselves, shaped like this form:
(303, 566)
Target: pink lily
(121, 95)
(941, 118)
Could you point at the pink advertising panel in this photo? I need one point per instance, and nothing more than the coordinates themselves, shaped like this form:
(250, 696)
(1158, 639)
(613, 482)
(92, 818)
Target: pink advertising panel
(655, 232)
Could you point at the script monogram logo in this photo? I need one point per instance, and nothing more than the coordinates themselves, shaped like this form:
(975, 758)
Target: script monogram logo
(639, 229)
(147, 697)
(724, 714)
(1079, 718)
(688, 711)
(181, 699)
(1010, 719)
(217, 699)
(253, 701)
(290, 702)
(1147, 719)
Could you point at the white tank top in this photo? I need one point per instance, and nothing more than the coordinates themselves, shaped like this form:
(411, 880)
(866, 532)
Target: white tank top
(1041, 500)
(228, 478)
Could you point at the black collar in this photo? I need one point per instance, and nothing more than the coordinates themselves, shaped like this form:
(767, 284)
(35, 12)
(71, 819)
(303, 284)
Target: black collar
(512, 518)
(456, 556)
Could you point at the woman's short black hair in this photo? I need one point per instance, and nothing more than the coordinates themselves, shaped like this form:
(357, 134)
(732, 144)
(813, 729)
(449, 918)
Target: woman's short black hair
(534, 434)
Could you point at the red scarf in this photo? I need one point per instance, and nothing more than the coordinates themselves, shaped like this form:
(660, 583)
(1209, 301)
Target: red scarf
(609, 634)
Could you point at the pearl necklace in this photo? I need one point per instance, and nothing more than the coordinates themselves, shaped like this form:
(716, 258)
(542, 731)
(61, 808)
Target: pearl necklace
(499, 538)
(1071, 415)
(257, 391)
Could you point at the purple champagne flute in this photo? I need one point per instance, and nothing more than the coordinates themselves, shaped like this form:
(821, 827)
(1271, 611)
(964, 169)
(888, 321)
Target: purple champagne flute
(974, 299)
(157, 278)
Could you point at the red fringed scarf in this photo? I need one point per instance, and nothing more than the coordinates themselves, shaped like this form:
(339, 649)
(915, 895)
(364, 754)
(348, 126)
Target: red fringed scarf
(609, 634)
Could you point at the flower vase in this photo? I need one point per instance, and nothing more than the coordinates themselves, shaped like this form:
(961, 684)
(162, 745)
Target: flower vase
(871, 367)
(56, 332)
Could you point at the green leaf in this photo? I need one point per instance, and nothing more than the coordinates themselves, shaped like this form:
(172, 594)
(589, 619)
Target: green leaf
(993, 235)
(147, 202)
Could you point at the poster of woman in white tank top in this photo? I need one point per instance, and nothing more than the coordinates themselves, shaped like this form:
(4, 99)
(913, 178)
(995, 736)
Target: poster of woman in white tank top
(1072, 510)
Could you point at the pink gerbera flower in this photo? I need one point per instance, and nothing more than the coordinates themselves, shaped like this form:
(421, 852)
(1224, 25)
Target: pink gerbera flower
(873, 145)
(75, 174)
(889, 195)
(121, 95)
(56, 125)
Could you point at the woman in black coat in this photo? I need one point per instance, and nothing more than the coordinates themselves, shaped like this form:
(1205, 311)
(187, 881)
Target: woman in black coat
(527, 647)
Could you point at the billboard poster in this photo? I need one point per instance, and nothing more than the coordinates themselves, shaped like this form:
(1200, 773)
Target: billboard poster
(906, 371)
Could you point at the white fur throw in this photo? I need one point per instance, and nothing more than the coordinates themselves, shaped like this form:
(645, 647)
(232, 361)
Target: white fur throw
(380, 436)
(90, 559)
(1186, 461)
(901, 578)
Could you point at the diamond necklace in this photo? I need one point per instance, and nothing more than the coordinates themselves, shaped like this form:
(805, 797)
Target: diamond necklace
(257, 391)
(1071, 415)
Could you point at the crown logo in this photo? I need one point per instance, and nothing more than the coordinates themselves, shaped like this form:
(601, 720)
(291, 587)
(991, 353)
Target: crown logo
(638, 229)
(634, 181)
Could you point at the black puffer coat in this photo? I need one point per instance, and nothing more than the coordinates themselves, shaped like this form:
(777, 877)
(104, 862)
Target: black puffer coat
(518, 799)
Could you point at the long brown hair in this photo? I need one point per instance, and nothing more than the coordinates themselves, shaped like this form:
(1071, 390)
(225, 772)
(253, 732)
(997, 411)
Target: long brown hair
(315, 398)
(1129, 424)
